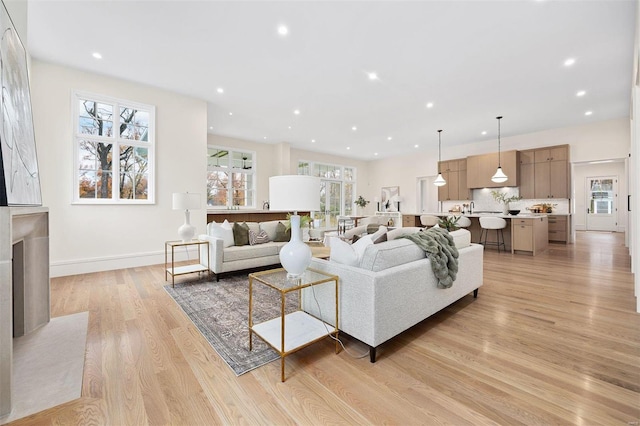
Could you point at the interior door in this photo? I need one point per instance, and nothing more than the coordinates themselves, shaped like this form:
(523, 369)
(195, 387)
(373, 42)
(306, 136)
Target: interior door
(602, 193)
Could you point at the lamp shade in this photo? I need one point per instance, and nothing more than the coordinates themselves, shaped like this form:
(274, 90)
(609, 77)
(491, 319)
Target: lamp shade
(294, 193)
(440, 180)
(186, 201)
(499, 177)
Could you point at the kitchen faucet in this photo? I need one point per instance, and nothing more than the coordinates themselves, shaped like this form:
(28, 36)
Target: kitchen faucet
(471, 206)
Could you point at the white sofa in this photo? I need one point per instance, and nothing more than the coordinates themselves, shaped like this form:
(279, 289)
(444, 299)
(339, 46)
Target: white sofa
(392, 288)
(224, 257)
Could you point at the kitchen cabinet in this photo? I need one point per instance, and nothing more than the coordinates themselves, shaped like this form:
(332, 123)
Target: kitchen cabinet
(527, 175)
(480, 169)
(530, 234)
(558, 226)
(551, 172)
(455, 173)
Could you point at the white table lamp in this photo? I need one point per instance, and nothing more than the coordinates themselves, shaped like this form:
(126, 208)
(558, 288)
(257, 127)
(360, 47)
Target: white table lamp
(186, 201)
(295, 193)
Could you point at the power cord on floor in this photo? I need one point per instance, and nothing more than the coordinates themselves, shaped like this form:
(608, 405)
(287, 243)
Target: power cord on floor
(356, 356)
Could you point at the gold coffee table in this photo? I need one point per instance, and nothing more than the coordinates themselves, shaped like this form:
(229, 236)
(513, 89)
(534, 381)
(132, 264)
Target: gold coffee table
(291, 332)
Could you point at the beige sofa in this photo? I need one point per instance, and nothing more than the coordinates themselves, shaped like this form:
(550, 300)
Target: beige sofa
(391, 288)
(227, 258)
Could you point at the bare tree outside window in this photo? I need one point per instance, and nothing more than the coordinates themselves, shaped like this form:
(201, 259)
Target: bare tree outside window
(98, 175)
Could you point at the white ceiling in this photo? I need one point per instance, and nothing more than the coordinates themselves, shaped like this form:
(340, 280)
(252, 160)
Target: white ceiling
(473, 59)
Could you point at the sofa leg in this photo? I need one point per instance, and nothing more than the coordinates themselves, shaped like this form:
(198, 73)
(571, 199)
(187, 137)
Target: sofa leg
(217, 277)
(372, 354)
(475, 293)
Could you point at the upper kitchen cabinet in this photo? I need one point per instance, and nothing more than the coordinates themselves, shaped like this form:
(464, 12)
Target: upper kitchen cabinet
(527, 173)
(480, 168)
(455, 173)
(551, 172)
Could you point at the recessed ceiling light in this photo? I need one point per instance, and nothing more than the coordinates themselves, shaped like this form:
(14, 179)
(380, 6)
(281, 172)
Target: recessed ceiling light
(348, 148)
(372, 76)
(416, 146)
(354, 128)
(313, 141)
(484, 132)
(283, 30)
(389, 138)
(375, 154)
(430, 105)
(289, 127)
(97, 55)
(570, 61)
(581, 93)
(296, 111)
(230, 113)
(210, 127)
(588, 113)
(264, 137)
(220, 90)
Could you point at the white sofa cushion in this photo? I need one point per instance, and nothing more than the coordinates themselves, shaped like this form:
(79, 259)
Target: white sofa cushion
(223, 231)
(386, 255)
(270, 228)
(461, 237)
(236, 253)
(398, 232)
(349, 254)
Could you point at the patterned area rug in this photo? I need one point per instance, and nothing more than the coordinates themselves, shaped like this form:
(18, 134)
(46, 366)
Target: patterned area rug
(220, 310)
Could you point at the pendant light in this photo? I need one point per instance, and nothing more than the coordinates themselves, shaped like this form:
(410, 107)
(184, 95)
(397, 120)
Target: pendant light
(439, 180)
(499, 177)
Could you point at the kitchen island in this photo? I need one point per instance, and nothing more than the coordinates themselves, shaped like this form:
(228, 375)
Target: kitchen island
(524, 233)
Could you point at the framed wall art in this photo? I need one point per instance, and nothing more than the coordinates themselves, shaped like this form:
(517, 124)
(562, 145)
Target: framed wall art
(19, 176)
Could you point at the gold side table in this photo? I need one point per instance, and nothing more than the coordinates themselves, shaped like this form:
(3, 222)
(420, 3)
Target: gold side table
(291, 332)
(170, 246)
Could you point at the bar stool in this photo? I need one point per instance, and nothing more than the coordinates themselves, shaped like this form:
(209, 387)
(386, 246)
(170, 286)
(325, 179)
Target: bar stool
(463, 222)
(497, 223)
(428, 220)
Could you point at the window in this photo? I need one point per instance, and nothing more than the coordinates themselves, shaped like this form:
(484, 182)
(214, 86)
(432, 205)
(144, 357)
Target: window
(102, 127)
(230, 178)
(337, 188)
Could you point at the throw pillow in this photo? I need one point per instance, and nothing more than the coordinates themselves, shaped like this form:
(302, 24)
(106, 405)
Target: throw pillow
(258, 238)
(380, 232)
(382, 239)
(372, 227)
(224, 231)
(283, 234)
(241, 234)
(349, 254)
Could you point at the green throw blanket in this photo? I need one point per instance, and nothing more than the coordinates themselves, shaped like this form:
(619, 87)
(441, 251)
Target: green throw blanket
(441, 250)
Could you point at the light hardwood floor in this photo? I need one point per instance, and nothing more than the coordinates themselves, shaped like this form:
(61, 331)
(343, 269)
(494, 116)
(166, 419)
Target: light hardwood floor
(551, 339)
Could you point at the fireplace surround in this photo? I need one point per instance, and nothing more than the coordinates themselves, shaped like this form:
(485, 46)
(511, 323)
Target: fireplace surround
(24, 284)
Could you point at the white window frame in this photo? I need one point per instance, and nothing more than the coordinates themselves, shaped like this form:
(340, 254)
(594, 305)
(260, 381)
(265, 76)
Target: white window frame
(116, 142)
(342, 180)
(231, 170)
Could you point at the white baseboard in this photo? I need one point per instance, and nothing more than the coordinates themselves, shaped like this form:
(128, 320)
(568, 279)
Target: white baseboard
(109, 263)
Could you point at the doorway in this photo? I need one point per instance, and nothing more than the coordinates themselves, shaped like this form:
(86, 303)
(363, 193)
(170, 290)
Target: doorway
(602, 208)
(427, 195)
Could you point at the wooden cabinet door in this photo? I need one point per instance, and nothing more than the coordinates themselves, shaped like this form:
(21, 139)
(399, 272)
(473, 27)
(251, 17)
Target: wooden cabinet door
(542, 155)
(443, 191)
(559, 153)
(523, 237)
(558, 177)
(463, 190)
(527, 180)
(527, 157)
(452, 183)
(462, 164)
(542, 184)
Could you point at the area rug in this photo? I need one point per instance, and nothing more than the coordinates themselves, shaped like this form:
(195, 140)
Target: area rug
(220, 310)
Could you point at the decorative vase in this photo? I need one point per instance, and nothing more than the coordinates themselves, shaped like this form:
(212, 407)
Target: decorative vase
(295, 256)
(505, 209)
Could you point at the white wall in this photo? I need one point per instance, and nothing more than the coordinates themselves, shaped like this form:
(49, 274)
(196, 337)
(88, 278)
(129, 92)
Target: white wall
(596, 141)
(87, 238)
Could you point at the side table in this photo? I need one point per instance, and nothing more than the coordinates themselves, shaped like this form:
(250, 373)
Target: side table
(294, 331)
(170, 246)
